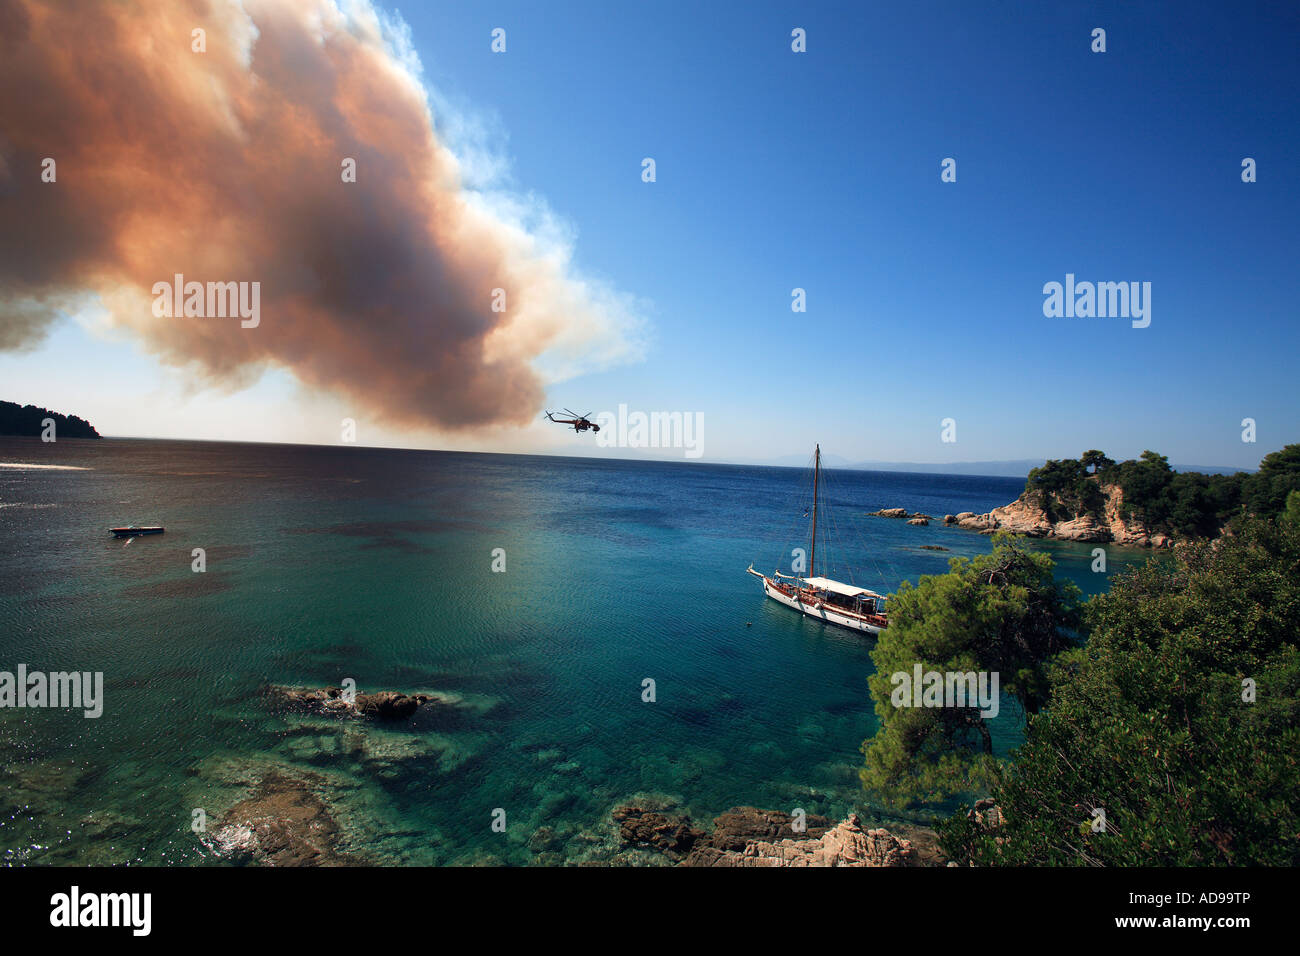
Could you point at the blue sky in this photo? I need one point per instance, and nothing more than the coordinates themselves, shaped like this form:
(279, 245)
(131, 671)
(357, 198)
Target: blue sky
(821, 170)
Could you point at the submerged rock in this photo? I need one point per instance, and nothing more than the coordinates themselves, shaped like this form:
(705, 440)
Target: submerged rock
(670, 833)
(51, 778)
(384, 704)
(549, 842)
(283, 824)
(108, 824)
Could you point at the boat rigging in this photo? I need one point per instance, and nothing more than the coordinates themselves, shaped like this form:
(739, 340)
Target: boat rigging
(821, 597)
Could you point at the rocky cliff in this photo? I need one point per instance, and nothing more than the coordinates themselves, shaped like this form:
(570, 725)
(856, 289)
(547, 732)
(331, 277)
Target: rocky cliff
(1028, 516)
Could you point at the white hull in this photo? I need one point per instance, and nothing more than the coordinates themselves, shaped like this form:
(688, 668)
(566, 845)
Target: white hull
(822, 612)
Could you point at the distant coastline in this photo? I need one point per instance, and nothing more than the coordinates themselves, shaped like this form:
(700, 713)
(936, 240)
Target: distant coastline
(1000, 468)
(29, 421)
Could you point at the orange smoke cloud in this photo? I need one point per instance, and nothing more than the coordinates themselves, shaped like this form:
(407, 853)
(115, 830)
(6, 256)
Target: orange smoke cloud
(226, 166)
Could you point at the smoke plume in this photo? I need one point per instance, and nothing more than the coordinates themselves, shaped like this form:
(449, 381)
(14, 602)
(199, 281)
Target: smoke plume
(226, 165)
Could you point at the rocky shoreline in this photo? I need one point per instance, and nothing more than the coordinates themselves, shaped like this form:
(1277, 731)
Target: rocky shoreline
(1026, 516)
(274, 810)
(289, 816)
(747, 836)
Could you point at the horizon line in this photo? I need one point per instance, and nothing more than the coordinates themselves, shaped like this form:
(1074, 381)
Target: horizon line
(854, 466)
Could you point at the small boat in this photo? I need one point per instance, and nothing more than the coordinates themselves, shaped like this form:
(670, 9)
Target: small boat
(133, 531)
(829, 600)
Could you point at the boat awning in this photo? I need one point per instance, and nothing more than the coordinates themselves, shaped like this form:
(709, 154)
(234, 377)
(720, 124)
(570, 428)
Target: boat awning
(848, 590)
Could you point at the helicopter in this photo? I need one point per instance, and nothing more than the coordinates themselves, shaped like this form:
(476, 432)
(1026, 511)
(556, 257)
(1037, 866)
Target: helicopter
(580, 423)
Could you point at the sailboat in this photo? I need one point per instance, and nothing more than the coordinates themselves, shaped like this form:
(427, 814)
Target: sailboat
(824, 598)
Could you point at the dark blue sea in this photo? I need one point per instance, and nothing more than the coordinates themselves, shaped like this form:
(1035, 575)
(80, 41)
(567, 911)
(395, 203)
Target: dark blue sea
(327, 563)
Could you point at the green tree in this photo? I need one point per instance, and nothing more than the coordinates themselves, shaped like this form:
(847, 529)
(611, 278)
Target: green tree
(1144, 483)
(1266, 491)
(1292, 513)
(1002, 612)
(1064, 489)
(1190, 509)
(1180, 719)
(1096, 460)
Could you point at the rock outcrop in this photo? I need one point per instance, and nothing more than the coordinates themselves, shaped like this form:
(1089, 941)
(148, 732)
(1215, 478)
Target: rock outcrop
(847, 844)
(739, 826)
(1027, 516)
(916, 517)
(384, 705)
(747, 836)
(987, 815)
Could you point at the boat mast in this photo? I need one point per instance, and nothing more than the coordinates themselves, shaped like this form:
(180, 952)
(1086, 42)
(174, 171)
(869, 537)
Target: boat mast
(817, 471)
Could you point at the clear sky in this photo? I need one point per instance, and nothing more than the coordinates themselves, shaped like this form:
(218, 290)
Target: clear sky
(821, 170)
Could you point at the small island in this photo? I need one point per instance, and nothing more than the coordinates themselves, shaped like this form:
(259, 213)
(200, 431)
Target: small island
(1141, 502)
(28, 421)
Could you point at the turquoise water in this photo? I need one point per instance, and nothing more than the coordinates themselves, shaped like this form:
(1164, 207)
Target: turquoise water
(329, 563)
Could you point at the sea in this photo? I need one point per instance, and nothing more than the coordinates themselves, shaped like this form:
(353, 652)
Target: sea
(585, 627)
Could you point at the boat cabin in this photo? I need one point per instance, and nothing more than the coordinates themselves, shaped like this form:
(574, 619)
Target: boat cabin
(847, 596)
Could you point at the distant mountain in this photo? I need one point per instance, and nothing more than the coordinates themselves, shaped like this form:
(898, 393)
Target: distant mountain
(1213, 469)
(1009, 468)
(1013, 469)
(803, 461)
(27, 420)
(1017, 468)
